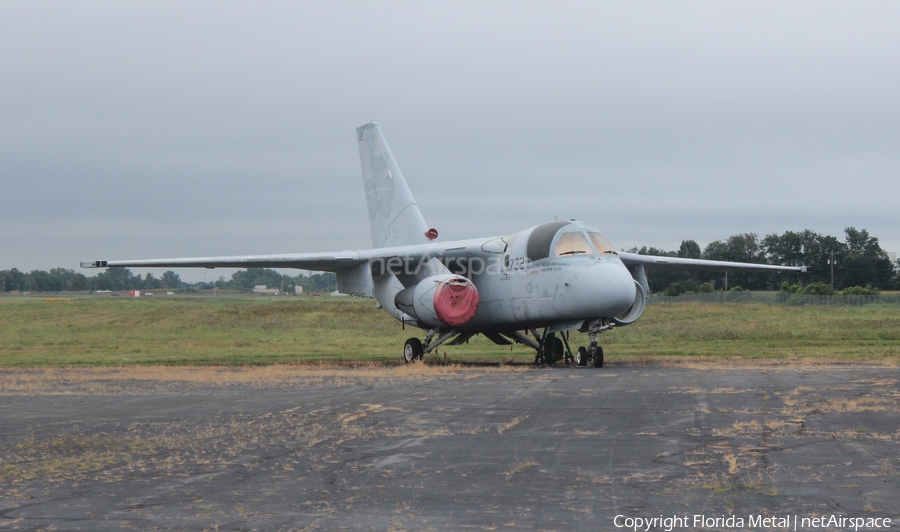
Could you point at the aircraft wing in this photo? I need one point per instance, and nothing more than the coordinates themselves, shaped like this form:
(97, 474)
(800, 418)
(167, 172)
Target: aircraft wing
(326, 262)
(655, 263)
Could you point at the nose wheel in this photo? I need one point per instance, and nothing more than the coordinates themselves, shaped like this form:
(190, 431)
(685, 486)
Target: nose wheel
(583, 356)
(598, 356)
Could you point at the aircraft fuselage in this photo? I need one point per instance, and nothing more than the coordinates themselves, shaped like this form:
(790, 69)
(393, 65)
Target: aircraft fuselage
(529, 280)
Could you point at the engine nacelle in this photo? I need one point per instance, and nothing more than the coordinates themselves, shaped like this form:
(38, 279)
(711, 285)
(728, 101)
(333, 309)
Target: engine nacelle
(440, 300)
(636, 309)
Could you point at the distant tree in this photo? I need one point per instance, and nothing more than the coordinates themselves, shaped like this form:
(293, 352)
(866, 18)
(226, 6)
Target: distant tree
(13, 280)
(804, 248)
(688, 287)
(817, 289)
(69, 280)
(171, 279)
(660, 281)
(41, 281)
(150, 282)
(868, 290)
(864, 261)
(116, 279)
(323, 282)
(689, 249)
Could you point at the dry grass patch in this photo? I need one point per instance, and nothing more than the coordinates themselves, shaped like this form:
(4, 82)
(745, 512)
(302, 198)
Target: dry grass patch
(76, 381)
(502, 427)
(523, 465)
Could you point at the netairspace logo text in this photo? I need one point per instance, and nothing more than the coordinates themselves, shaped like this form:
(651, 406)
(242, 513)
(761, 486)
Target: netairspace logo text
(773, 522)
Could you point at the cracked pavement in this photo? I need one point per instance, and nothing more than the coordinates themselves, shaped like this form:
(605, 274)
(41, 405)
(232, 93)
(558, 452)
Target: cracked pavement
(547, 449)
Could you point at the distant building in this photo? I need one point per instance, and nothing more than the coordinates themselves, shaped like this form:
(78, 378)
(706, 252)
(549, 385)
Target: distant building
(298, 290)
(261, 289)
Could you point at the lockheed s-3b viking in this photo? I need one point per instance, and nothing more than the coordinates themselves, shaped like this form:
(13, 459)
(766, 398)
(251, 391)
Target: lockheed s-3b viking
(545, 280)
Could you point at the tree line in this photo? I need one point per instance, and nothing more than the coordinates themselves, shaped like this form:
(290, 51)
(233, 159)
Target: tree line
(857, 261)
(833, 265)
(66, 280)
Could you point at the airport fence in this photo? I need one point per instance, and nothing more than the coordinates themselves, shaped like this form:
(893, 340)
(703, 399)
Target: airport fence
(778, 298)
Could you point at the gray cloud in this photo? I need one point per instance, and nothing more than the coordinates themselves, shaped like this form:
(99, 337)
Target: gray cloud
(140, 130)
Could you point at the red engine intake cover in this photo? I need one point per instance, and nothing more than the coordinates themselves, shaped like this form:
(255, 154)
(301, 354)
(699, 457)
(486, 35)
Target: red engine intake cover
(455, 301)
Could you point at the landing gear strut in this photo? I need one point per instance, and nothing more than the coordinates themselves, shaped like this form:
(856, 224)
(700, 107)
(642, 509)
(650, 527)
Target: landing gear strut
(551, 348)
(415, 349)
(593, 351)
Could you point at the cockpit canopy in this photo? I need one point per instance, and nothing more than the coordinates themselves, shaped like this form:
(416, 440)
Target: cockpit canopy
(565, 239)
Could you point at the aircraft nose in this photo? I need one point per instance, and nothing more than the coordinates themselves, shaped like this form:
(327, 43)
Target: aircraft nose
(605, 289)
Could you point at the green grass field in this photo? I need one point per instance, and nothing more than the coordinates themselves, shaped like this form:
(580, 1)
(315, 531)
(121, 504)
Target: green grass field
(106, 331)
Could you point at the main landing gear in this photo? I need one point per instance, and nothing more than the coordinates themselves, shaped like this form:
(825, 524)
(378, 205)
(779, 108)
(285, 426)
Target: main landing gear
(415, 349)
(550, 347)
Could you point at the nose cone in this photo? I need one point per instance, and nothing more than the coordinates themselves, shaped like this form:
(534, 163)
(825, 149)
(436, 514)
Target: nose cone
(605, 289)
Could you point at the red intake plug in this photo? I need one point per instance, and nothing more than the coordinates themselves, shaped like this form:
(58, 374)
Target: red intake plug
(455, 301)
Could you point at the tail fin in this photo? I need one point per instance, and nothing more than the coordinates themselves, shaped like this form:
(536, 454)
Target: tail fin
(394, 217)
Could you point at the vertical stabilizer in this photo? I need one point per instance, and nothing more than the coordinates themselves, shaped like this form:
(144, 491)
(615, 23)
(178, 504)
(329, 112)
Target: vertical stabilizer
(394, 217)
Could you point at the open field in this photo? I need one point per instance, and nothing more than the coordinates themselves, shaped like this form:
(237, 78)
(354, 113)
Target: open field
(204, 331)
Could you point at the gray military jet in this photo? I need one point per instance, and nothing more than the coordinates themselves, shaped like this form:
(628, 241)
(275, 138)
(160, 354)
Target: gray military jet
(545, 280)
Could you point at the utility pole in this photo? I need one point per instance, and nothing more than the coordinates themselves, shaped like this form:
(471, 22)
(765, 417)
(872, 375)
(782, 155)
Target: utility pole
(831, 261)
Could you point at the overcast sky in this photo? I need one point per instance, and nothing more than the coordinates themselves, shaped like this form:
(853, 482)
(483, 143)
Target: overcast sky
(166, 129)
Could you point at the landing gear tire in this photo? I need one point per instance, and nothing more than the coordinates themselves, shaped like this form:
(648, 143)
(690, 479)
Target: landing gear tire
(412, 350)
(558, 350)
(581, 357)
(550, 352)
(598, 357)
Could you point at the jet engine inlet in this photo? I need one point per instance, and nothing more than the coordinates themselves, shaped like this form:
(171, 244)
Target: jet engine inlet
(440, 300)
(636, 309)
(455, 301)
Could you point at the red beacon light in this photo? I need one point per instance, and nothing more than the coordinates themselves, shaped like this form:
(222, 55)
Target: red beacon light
(431, 234)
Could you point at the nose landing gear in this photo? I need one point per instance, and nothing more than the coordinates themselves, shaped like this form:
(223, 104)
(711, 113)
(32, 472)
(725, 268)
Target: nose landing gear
(551, 349)
(593, 351)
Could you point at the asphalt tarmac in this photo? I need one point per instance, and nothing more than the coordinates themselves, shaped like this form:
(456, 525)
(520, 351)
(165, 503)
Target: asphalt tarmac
(471, 449)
